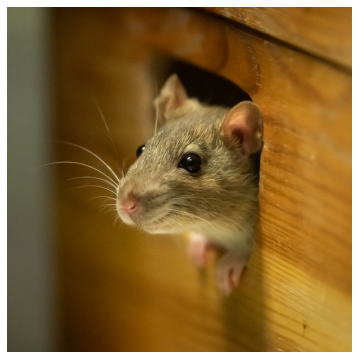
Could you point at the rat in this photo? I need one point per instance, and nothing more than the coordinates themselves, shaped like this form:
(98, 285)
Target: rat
(196, 176)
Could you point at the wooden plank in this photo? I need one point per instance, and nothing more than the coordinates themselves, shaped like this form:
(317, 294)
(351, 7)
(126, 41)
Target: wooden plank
(296, 293)
(324, 31)
(125, 292)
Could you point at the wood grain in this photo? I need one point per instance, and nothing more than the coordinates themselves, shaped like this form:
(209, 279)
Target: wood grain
(125, 291)
(325, 32)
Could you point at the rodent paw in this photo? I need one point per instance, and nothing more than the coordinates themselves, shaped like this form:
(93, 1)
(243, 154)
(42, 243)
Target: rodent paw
(229, 270)
(198, 248)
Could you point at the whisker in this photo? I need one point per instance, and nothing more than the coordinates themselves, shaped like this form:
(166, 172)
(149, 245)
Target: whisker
(237, 224)
(124, 161)
(108, 131)
(220, 214)
(190, 215)
(81, 164)
(157, 115)
(108, 205)
(231, 220)
(100, 179)
(100, 197)
(115, 221)
(181, 235)
(240, 196)
(105, 212)
(91, 185)
(166, 220)
(93, 154)
(185, 241)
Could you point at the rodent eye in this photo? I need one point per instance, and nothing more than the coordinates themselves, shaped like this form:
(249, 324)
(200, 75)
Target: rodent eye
(140, 150)
(191, 163)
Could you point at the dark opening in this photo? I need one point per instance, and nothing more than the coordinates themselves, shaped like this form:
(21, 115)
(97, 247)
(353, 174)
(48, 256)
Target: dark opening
(206, 86)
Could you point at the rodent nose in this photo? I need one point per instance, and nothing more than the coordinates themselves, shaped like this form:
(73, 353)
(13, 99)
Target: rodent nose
(129, 204)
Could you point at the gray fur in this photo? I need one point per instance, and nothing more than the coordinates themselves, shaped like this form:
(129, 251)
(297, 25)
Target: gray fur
(219, 202)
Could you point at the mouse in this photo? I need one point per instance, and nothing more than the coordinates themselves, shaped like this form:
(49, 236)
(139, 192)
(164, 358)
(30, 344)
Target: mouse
(196, 175)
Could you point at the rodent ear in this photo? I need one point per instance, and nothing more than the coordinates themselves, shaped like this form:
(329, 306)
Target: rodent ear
(244, 123)
(172, 96)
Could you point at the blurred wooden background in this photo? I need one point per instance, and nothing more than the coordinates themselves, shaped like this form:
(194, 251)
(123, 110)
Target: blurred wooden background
(121, 290)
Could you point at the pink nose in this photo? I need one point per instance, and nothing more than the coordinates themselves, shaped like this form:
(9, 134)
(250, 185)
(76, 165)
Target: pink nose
(128, 204)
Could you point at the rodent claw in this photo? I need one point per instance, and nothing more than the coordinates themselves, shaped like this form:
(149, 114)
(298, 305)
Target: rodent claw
(229, 270)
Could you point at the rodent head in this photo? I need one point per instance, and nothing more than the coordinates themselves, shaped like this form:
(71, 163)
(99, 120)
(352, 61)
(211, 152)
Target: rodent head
(196, 170)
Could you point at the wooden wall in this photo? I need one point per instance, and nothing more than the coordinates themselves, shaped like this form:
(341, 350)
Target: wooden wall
(121, 290)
